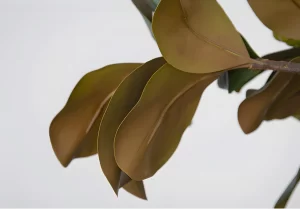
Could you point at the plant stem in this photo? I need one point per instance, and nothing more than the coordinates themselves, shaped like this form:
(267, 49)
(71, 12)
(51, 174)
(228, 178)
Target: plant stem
(283, 66)
(285, 55)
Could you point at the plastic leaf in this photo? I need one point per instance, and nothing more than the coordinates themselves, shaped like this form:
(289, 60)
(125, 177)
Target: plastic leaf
(72, 131)
(234, 80)
(253, 109)
(280, 16)
(123, 100)
(136, 188)
(265, 103)
(288, 41)
(150, 133)
(197, 36)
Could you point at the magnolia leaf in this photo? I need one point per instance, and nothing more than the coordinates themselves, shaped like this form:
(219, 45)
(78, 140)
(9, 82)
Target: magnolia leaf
(288, 41)
(286, 108)
(284, 198)
(297, 117)
(285, 102)
(88, 146)
(271, 76)
(188, 35)
(252, 110)
(136, 188)
(234, 80)
(239, 77)
(261, 104)
(280, 16)
(123, 100)
(156, 2)
(72, 131)
(250, 92)
(288, 104)
(251, 52)
(151, 132)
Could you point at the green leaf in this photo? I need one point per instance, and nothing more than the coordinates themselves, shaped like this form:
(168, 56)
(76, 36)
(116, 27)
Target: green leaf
(288, 41)
(239, 77)
(284, 198)
(251, 52)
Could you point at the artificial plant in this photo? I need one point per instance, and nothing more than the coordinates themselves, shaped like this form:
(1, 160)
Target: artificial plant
(120, 113)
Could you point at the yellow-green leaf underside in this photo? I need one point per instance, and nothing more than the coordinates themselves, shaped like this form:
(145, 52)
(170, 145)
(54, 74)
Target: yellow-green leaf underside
(151, 132)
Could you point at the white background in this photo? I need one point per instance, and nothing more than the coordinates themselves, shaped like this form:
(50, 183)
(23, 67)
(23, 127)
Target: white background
(47, 46)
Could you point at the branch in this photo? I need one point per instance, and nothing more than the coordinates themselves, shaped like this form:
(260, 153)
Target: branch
(282, 66)
(283, 55)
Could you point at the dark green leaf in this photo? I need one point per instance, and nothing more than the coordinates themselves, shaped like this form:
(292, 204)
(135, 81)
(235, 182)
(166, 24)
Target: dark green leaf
(251, 52)
(284, 198)
(239, 77)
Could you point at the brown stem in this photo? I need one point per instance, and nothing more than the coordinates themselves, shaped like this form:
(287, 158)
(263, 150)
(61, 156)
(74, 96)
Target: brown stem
(283, 66)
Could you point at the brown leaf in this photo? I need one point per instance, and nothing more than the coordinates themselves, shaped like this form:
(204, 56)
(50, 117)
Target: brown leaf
(124, 99)
(89, 143)
(281, 16)
(253, 109)
(151, 132)
(72, 131)
(286, 107)
(270, 101)
(136, 188)
(197, 36)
